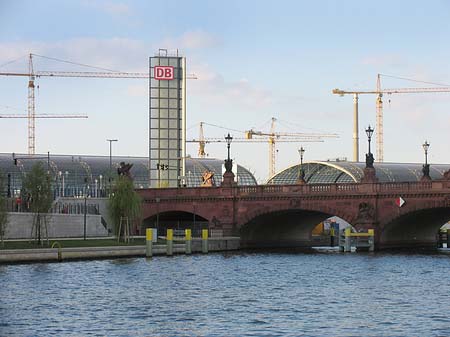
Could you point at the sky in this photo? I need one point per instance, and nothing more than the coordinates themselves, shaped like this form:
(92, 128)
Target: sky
(254, 60)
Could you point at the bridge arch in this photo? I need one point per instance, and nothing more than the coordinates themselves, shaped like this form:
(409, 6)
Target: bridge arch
(293, 205)
(283, 226)
(177, 220)
(417, 228)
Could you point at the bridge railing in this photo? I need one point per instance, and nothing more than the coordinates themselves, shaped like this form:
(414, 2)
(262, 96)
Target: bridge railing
(152, 195)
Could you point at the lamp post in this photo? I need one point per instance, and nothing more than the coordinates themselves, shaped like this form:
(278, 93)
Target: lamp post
(369, 156)
(86, 194)
(301, 173)
(110, 159)
(426, 146)
(63, 183)
(60, 189)
(110, 151)
(426, 166)
(228, 162)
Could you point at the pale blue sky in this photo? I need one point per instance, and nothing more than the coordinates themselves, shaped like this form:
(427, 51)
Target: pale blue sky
(254, 60)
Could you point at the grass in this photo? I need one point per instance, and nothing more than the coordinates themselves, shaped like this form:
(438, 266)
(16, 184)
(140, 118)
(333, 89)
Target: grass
(74, 243)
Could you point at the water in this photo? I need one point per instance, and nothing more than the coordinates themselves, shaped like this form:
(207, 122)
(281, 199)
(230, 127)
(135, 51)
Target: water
(244, 294)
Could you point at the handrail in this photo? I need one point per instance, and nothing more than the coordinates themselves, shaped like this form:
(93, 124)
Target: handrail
(56, 243)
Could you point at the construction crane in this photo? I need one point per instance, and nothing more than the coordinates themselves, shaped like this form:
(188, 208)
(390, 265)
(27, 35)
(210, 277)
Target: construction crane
(32, 75)
(379, 112)
(272, 137)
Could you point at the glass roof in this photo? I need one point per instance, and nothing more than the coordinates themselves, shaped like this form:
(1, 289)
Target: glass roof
(75, 172)
(323, 172)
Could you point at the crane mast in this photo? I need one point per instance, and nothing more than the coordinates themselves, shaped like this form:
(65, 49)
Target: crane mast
(31, 109)
(272, 150)
(379, 123)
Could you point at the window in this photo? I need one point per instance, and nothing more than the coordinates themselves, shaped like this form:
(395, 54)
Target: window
(163, 103)
(154, 123)
(173, 103)
(154, 61)
(164, 93)
(173, 62)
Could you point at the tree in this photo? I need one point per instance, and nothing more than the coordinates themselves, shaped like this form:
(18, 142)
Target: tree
(3, 213)
(124, 206)
(38, 192)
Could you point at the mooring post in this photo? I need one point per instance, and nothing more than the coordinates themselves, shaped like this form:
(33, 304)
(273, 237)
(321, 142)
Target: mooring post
(371, 240)
(341, 239)
(332, 236)
(204, 241)
(348, 240)
(148, 242)
(188, 239)
(448, 238)
(169, 242)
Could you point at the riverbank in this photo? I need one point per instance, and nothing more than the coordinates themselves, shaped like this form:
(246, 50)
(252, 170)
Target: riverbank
(8, 256)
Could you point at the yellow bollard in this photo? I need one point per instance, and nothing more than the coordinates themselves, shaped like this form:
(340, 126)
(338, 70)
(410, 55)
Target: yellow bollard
(332, 237)
(148, 242)
(188, 241)
(371, 233)
(204, 241)
(169, 242)
(348, 240)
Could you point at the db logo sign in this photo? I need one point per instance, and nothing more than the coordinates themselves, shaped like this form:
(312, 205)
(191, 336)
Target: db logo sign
(163, 73)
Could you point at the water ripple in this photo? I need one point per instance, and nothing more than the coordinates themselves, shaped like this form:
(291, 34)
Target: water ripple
(244, 294)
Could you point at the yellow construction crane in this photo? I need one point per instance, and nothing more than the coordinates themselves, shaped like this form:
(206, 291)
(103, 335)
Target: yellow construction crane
(272, 137)
(32, 75)
(379, 112)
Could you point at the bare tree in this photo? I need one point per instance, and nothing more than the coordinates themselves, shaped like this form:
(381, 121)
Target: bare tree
(39, 196)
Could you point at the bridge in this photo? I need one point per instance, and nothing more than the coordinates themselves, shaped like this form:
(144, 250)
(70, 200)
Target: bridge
(284, 215)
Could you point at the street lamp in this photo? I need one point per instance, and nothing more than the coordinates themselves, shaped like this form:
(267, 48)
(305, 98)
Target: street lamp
(301, 175)
(228, 162)
(60, 189)
(426, 166)
(369, 156)
(110, 151)
(228, 139)
(369, 133)
(426, 146)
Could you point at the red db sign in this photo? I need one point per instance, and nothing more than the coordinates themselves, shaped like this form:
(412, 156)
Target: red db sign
(163, 73)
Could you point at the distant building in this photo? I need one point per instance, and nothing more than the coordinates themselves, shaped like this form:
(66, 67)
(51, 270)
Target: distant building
(79, 175)
(329, 172)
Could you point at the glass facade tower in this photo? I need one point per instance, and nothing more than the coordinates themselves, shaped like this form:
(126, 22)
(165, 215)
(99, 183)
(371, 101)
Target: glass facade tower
(167, 120)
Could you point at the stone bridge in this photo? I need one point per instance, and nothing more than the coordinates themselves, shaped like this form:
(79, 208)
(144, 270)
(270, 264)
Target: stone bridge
(284, 215)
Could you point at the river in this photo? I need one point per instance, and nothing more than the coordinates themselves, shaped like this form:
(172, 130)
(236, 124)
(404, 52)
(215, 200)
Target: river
(315, 293)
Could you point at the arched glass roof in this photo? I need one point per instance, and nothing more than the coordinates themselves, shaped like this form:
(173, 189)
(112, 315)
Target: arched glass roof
(73, 173)
(324, 172)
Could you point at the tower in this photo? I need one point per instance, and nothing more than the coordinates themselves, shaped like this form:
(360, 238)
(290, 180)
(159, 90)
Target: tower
(167, 118)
